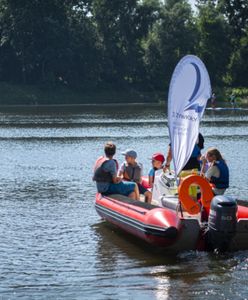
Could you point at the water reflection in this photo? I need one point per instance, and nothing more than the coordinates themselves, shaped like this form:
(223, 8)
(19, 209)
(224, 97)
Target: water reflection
(182, 276)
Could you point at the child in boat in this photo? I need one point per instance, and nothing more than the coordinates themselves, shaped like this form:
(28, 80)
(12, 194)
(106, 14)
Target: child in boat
(218, 172)
(131, 170)
(157, 163)
(105, 175)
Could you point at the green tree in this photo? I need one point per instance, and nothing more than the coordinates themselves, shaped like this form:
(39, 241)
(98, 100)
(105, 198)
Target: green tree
(49, 41)
(85, 47)
(236, 13)
(9, 64)
(238, 67)
(214, 45)
(36, 31)
(122, 24)
(172, 37)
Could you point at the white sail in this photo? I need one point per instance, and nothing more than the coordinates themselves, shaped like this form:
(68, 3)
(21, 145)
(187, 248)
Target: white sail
(188, 94)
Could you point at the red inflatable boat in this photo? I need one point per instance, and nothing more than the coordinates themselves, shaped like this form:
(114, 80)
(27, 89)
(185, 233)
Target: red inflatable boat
(180, 223)
(153, 224)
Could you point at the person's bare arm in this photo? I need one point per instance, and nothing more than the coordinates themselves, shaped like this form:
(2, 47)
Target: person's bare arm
(116, 179)
(204, 163)
(120, 173)
(150, 178)
(168, 159)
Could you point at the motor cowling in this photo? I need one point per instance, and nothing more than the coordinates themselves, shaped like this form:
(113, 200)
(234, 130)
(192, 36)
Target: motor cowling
(222, 222)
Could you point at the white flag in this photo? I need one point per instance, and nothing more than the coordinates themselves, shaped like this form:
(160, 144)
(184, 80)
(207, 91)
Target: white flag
(188, 94)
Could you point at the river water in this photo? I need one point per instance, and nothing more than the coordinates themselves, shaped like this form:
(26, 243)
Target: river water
(53, 243)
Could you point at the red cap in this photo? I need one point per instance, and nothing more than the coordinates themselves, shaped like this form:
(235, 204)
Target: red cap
(158, 156)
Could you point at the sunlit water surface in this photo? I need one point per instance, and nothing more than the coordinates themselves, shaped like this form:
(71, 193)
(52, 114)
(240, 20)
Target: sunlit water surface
(55, 246)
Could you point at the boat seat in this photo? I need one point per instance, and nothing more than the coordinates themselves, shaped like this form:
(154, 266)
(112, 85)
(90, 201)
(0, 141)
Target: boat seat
(132, 202)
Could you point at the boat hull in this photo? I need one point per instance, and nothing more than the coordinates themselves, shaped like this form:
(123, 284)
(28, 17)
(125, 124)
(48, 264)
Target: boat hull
(155, 225)
(164, 227)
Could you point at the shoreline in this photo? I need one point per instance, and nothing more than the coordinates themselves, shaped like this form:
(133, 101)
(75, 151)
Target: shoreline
(15, 96)
(82, 105)
(95, 106)
(85, 104)
(222, 104)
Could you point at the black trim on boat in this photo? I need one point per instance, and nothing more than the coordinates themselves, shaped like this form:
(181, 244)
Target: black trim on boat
(165, 232)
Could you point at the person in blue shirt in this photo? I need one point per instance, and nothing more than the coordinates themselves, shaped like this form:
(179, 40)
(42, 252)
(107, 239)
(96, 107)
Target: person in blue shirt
(194, 161)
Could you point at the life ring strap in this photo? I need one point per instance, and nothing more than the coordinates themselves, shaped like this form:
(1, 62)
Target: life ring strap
(191, 206)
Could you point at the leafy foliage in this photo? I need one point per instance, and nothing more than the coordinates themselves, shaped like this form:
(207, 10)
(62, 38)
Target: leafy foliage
(214, 45)
(121, 44)
(172, 37)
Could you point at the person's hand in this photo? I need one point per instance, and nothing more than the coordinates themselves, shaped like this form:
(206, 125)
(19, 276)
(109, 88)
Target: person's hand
(203, 159)
(118, 179)
(166, 167)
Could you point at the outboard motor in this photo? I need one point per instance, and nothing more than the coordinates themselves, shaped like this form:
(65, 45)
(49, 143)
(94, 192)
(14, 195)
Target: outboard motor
(222, 222)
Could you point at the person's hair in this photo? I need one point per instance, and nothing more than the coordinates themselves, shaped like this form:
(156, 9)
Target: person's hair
(215, 152)
(109, 149)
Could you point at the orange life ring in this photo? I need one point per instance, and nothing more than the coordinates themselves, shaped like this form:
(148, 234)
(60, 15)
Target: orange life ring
(191, 206)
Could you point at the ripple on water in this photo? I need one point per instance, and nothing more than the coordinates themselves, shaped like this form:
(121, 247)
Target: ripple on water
(53, 244)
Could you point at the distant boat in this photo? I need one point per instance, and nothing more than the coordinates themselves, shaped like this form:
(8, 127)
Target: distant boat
(226, 108)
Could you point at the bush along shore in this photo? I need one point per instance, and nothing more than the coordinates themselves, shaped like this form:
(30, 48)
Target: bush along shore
(61, 95)
(79, 52)
(27, 95)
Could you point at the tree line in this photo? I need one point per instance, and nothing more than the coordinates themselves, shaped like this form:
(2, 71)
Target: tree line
(121, 44)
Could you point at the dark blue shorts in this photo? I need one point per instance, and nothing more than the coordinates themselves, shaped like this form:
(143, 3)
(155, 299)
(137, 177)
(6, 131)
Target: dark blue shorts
(142, 190)
(123, 188)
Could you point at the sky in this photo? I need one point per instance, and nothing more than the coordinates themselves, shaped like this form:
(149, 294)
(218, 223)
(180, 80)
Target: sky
(192, 2)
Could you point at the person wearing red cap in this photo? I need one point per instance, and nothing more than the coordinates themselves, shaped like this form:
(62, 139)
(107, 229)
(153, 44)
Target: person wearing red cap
(157, 163)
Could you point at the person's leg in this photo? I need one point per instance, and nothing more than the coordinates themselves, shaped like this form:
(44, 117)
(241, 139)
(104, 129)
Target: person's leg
(145, 192)
(130, 189)
(148, 197)
(132, 196)
(125, 188)
(135, 194)
(136, 191)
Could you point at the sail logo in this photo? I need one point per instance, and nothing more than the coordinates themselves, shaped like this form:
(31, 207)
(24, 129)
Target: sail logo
(184, 117)
(192, 103)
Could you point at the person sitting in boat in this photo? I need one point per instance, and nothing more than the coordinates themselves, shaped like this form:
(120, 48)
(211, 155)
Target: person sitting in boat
(131, 170)
(192, 166)
(194, 161)
(157, 163)
(218, 172)
(105, 175)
